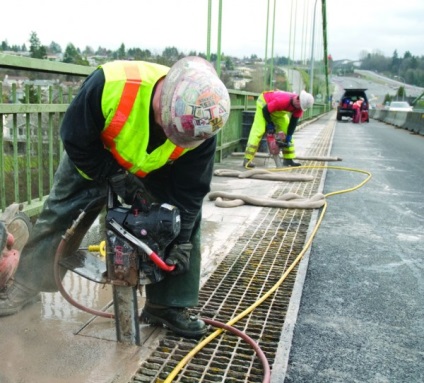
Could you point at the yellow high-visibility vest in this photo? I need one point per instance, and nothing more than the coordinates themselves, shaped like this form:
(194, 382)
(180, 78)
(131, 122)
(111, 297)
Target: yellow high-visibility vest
(126, 107)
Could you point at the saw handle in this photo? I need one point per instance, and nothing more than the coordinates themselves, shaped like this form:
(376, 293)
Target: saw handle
(158, 261)
(101, 248)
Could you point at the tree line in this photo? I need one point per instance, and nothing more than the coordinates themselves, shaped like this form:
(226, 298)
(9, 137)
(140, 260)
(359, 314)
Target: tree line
(408, 68)
(75, 55)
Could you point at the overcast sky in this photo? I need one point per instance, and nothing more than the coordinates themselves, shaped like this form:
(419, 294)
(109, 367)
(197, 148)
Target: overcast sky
(352, 27)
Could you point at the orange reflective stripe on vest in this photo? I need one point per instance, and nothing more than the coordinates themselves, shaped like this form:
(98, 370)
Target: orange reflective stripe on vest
(176, 153)
(126, 103)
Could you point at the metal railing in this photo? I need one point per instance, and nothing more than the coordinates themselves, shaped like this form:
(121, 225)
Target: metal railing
(34, 97)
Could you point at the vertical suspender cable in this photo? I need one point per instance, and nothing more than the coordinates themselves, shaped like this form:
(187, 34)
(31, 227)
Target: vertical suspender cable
(209, 25)
(294, 32)
(311, 74)
(271, 74)
(324, 35)
(290, 43)
(218, 58)
(266, 48)
(304, 34)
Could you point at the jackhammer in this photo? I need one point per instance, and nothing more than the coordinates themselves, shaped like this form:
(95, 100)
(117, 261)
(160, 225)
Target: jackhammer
(275, 142)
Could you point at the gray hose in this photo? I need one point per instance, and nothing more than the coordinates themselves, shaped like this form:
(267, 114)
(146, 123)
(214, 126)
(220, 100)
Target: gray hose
(304, 158)
(263, 174)
(287, 201)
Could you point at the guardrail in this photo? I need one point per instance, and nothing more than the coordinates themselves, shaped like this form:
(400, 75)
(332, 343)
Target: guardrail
(34, 97)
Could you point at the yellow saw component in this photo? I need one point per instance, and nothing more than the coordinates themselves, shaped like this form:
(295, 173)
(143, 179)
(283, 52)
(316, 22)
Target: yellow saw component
(100, 248)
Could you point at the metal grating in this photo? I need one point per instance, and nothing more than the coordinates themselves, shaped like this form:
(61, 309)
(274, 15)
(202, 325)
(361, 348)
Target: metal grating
(254, 265)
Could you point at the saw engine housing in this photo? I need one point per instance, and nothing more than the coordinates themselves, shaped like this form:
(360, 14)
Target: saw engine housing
(128, 263)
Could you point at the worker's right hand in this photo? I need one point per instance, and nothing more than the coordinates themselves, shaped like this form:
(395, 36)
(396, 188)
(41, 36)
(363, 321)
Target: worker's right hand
(179, 255)
(270, 128)
(125, 186)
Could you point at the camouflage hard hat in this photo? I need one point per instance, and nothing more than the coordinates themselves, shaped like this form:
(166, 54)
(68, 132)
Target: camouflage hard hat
(194, 102)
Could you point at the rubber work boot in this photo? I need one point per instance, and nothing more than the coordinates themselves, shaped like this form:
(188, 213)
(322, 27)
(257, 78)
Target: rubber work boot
(248, 164)
(15, 296)
(290, 162)
(177, 319)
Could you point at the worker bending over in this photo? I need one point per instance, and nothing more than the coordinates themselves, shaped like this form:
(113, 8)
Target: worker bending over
(272, 117)
(142, 128)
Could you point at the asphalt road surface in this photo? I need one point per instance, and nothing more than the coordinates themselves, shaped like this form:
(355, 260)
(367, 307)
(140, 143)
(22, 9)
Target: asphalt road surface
(361, 317)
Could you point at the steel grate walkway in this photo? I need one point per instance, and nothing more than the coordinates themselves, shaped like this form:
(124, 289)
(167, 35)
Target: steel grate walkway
(257, 261)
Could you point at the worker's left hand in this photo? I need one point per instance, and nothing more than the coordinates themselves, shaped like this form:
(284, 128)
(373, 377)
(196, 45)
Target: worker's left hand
(284, 142)
(179, 256)
(281, 143)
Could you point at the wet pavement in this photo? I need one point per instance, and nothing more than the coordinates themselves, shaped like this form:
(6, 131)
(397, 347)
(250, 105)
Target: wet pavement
(53, 341)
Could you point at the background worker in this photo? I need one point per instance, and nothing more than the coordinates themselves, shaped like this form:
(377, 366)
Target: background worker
(272, 115)
(357, 107)
(138, 127)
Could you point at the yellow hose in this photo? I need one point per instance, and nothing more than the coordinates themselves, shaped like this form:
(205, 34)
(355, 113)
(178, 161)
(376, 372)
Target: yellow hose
(212, 336)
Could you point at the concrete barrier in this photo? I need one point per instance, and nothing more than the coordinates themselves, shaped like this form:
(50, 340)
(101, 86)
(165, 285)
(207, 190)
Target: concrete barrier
(415, 122)
(412, 121)
(397, 118)
(383, 115)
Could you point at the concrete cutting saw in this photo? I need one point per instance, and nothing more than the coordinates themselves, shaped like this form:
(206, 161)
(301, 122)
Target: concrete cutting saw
(136, 242)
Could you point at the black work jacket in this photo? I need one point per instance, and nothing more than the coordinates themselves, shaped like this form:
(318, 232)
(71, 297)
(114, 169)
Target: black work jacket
(184, 183)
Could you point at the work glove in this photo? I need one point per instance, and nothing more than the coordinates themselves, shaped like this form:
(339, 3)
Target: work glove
(125, 185)
(281, 140)
(270, 128)
(283, 144)
(179, 255)
(287, 142)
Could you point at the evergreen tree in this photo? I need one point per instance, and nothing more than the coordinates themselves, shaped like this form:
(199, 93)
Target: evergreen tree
(37, 50)
(121, 54)
(54, 48)
(73, 56)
